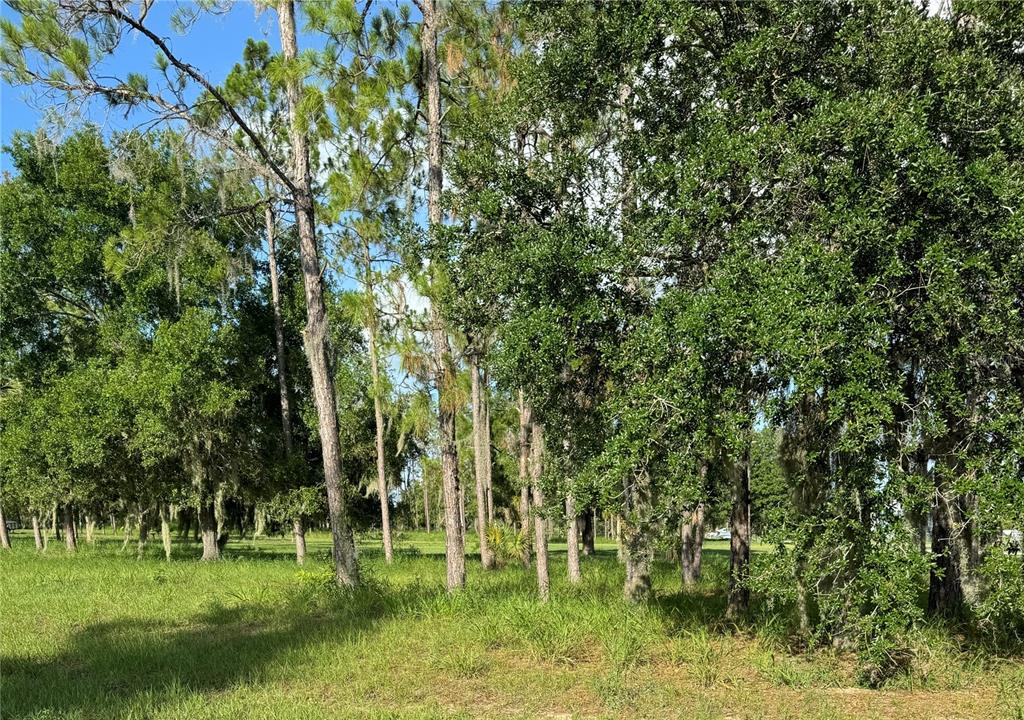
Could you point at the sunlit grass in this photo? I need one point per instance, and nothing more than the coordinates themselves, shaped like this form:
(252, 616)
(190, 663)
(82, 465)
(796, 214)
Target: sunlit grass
(106, 635)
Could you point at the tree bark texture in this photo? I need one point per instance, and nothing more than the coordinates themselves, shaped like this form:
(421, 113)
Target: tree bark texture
(739, 543)
(208, 529)
(37, 533)
(691, 552)
(70, 532)
(299, 531)
(165, 530)
(945, 587)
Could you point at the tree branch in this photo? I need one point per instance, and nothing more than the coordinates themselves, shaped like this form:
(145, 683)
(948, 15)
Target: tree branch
(197, 77)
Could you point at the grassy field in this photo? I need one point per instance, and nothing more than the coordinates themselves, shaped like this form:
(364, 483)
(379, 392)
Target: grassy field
(106, 635)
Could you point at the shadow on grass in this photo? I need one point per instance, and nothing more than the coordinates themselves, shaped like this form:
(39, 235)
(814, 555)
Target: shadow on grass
(702, 605)
(138, 667)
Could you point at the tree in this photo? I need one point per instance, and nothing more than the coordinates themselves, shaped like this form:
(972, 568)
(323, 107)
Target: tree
(31, 56)
(444, 371)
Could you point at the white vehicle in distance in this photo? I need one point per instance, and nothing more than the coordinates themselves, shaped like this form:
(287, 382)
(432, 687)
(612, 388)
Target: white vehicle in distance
(719, 534)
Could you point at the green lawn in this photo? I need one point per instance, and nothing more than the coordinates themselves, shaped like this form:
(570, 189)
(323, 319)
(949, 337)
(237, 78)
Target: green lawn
(105, 635)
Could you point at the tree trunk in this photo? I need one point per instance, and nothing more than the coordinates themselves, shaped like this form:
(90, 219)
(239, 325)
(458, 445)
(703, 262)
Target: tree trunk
(617, 529)
(540, 539)
(127, 532)
(945, 586)
(90, 530)
(37, 533)
(70, 535)
(165, 530)
(184, 523)
(208, 530)
(479, 463)
(299, 531)
(378, 417)
(691, 552)
(524, 476)
(589, 523)
(346, 570)
(802, 609)
(219, 513)
(143, 531)
(54, 527)
(488, 478)
(572, 540)
(739, 544)
(455, 544)
(635, 538)
(5, 538)
(275, 302)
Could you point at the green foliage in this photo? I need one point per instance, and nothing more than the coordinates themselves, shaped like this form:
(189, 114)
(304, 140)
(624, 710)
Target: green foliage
(506, 542)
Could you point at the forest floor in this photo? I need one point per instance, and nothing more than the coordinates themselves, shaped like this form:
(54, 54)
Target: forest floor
(105, 635)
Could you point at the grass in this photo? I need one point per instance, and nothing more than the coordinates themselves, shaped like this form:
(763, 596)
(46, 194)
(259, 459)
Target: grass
(106, 635)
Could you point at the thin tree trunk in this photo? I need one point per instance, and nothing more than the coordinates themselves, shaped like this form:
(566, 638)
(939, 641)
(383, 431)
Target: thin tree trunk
(479, 463)
(5, 538)
(90, 530)
(455, 543)
(524, 476)
(572, 540)
(127, 532)
(299, 531)
(540, 539)
(378, 418)
(37, 533)
(488, 478)
(54, 527)
(620, 555)
(282, 357)
(346, 570)
(208, 530)
(70, 535)
(220, 514)
(275, 302)
(691, 552)
(802, 609)
(165, 530)
(143, 531)
(739, 544)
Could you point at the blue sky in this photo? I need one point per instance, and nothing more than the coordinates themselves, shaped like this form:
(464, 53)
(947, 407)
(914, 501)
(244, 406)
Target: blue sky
(214, 45)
